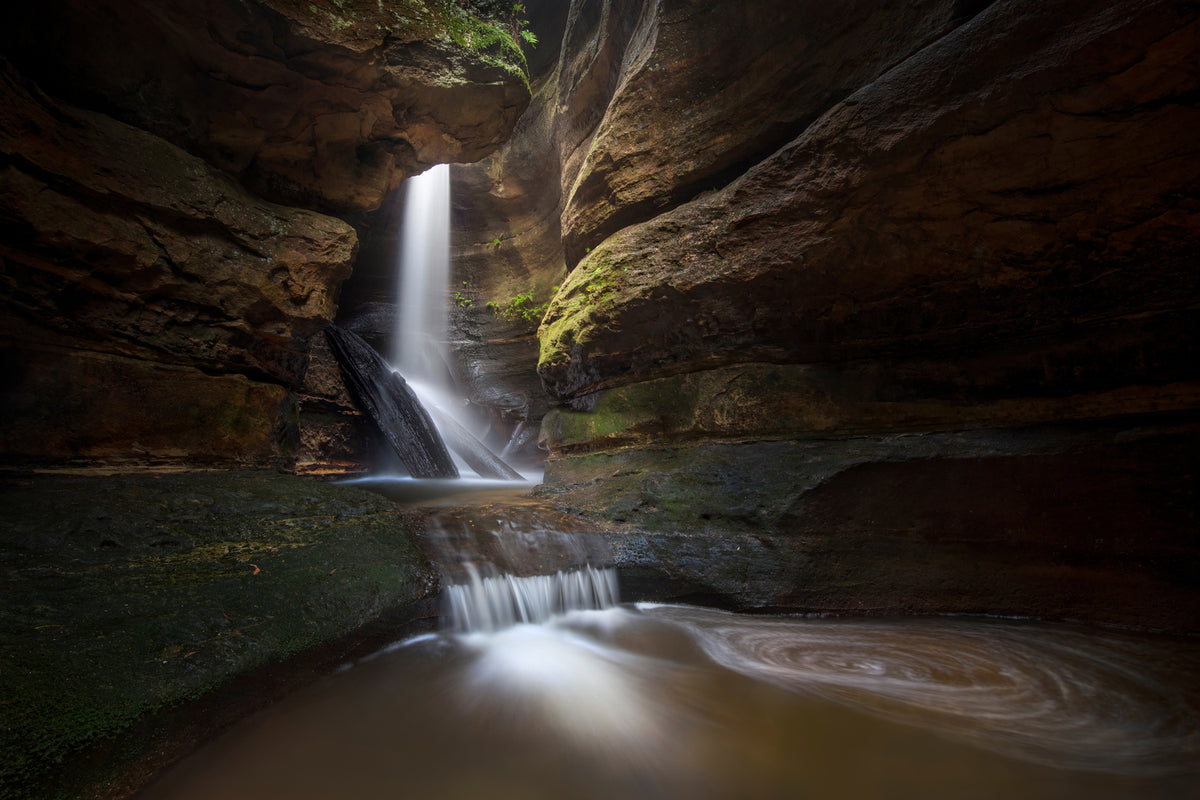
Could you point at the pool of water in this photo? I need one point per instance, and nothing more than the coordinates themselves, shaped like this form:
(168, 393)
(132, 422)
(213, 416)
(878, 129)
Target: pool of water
(656, 701)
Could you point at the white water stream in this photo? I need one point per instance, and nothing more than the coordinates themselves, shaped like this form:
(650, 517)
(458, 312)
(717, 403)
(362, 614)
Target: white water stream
(418, 347)
(493, 603)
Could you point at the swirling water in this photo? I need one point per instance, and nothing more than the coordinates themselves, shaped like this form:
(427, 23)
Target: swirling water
(657, 701)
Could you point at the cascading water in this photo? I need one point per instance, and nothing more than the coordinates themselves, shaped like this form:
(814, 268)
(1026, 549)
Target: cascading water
(415, 382)
(492, 603)
(418, 346)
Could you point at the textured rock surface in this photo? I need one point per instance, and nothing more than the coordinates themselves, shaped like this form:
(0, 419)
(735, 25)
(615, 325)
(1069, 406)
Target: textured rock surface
(644, 106)
(507, 238)
(153, 309)
(321, 104)
(117, 238)
(334, 436)
(843, 380)
(705, 90)
(1082, 522)
(157, 309)
(78, 409)
(125, 598)
(1045, 189)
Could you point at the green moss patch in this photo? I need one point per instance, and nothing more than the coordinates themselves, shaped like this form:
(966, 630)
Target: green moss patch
(124, 596)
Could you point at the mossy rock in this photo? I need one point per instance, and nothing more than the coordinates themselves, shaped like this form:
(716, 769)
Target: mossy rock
(132, 595)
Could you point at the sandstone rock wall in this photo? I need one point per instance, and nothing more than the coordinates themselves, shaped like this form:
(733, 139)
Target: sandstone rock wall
(646, 105)
(970, 220)
(159, 302)
(1026, 177)
(320, 104)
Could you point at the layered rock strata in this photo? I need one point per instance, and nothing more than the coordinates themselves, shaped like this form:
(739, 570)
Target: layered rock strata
(160, 303)
(320, 104)
(645, 106)
(1023, 183)
(982, 230)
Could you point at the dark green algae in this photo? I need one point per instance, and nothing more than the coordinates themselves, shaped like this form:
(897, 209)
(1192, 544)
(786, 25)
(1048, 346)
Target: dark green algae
(125, 597)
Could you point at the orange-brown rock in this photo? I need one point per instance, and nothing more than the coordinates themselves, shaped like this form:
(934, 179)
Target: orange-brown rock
(76, 409)
(138, 141)
(643, 106)
(320, 104)
(333, 436)
(706, 90)
(1026, 181)
(935, 352)
(155, 312)
(115, 240)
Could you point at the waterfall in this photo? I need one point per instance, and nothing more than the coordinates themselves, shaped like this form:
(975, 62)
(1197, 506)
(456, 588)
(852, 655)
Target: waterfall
(409, 396)
(418, 347)
(488, 604)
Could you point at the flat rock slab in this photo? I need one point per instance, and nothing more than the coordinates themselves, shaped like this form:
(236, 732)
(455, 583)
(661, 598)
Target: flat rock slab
(1088, 522)
(125, 596)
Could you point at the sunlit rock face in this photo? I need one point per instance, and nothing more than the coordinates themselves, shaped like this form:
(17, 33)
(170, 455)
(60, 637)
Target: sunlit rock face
(969, 223)
(159, 301)
(704, 93)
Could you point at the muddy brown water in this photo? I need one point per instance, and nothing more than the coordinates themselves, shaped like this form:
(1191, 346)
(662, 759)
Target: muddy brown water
(658, 701)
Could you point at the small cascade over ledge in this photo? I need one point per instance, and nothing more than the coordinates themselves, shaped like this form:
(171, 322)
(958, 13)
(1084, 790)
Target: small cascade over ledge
(492, 603)
(516, 562)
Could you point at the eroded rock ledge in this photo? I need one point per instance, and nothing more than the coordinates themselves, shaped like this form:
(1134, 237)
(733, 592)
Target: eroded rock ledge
(127, 600)
(1025, 178)
(968, 276)
(319, 104)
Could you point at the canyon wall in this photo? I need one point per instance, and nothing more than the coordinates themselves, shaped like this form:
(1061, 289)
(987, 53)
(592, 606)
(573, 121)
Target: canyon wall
(734, 259)
(169, 175)
(934, 259)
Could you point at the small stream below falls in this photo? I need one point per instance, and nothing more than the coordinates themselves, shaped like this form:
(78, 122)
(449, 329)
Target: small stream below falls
(660, 701)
